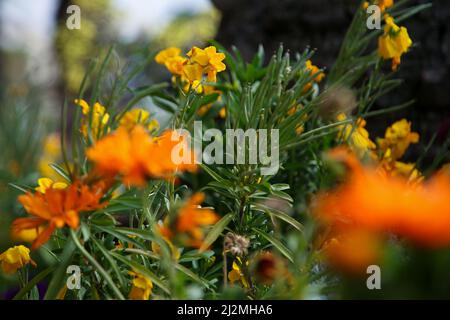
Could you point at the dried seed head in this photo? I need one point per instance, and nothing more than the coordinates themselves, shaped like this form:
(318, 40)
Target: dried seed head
(235, 244)
(337, 100)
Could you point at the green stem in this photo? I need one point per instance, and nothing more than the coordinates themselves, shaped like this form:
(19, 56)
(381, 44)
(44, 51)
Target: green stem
(97, 266)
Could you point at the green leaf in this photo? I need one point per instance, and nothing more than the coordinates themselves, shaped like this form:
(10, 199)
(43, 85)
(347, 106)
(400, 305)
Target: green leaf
(178, 266)
(111, 261)
(281, 215)
(192, 275)
(21, 187)
(212, 173)
(125, 203)
(282, 195)
(277, 244)
(60, 170)
(30, 285)
(143, 234)
(216, 231)
(97, 266)
(58, 279)
(120, 235)
(280, 186)
(142, 270)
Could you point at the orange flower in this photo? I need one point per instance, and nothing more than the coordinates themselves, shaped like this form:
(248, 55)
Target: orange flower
(352, 250)
(190, 221)
(315, 72)
(56, 208)
(136, 156)
(378, 203)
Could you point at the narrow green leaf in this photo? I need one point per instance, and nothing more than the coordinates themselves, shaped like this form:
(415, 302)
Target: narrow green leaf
(60, 170)
(142, 270)
(97, 266)
(212, 173)
(30, 285)
(277, 244)
(58, 279)
(178, 266)
(281, 215)
(111, 261)
(216, 231)
(21, 187)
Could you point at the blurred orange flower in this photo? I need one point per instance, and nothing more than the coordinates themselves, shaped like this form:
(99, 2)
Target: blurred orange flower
(378, 203)
(190, 221)
(56, 208)
(136, 156)
(353, 250)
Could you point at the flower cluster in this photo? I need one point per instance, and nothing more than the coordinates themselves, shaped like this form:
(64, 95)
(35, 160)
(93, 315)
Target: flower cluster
(139, 116)
(96, 118)
(387, 151)
(192, 69)
(393, 146)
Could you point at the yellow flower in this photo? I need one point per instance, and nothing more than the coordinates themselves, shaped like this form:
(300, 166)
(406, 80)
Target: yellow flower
(100, 117)
(52, 145)
(172, 60)
(175, 65)
(223, 113)
(47, 183)
(314, 71)
(394, 42)
(138, 116)
(27, 235)
(389, 166)
(292, 110)
(51, 154)
(193, 72)
(385, 4)
(299, 129)
(236, 274)
(15, 258)
(141, 287)
(167, 54)
(356, 136)
(209, 59)
(398, 138)
(408, 170)
(175, 252)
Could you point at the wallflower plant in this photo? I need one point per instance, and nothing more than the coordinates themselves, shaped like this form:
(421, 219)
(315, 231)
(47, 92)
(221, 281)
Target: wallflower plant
(141, 226)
